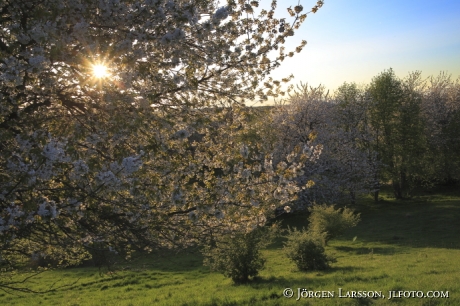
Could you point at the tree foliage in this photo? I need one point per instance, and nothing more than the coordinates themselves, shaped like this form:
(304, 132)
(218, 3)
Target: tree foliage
(398, 127)
(440, 109)
(408, 116)
(151, 155)
(335, 133)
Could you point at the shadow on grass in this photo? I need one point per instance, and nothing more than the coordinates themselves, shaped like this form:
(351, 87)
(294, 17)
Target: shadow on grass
(410, 223)
(168, 261)
(268, 284)
(310, 278)
(372, 250)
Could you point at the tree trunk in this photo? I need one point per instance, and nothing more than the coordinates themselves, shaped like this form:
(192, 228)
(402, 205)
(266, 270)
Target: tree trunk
(399, 186)
(376, 187)
(403, 184)
(352, 197)
(397, 189)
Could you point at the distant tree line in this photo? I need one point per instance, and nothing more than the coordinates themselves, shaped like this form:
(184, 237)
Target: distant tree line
(403, 132)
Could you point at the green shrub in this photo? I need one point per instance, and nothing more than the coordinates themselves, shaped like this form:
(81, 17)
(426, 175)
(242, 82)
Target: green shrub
(238, 256)
(306, 251)
(327, 222)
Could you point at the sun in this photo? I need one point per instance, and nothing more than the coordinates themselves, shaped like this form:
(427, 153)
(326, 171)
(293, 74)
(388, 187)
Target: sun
(100, 71)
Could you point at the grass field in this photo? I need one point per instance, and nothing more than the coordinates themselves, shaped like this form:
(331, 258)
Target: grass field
(399, 246)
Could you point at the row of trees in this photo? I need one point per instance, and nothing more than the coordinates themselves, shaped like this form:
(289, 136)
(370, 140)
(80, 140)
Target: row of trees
(400, 131)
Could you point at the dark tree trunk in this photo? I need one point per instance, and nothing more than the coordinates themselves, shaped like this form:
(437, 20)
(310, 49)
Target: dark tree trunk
(376, 188)
(399, 186)
(353, 197)
(397, 189)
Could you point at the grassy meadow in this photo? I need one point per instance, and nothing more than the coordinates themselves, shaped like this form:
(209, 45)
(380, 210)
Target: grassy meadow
(398, 246)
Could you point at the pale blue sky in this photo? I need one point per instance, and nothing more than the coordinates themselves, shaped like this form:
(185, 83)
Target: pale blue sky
(355, 40)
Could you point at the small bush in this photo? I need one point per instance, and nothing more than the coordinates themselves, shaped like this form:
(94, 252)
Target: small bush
(327, 222)
(306, 251)
(238, 256)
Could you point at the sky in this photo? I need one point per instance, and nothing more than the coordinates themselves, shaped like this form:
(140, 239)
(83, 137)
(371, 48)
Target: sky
(355, 40)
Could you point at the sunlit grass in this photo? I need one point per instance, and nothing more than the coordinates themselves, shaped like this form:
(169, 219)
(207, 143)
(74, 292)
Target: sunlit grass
(400, 245)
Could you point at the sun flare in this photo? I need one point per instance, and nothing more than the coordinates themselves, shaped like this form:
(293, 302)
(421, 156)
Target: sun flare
(100, 71)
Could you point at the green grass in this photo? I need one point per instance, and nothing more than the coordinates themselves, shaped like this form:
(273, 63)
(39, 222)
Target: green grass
(400, 245)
